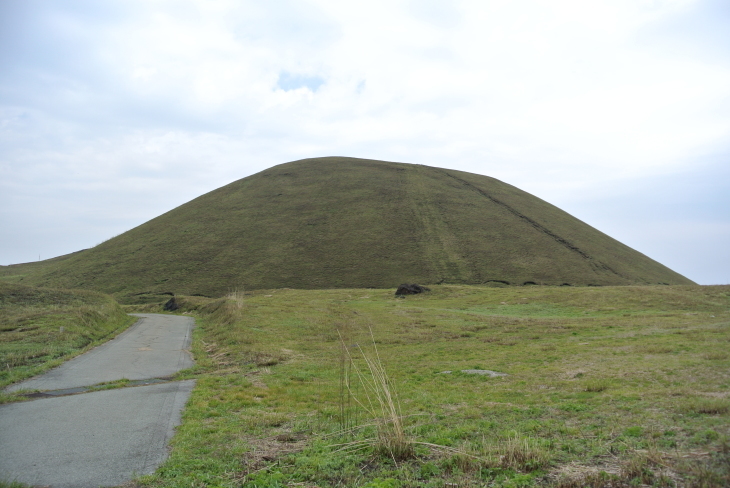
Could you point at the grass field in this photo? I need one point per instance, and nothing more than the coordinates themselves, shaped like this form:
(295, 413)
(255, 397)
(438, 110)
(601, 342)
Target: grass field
(610, 386)
(40, 328)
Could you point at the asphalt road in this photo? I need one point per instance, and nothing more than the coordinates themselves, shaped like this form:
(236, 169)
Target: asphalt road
(102, 438)
(156, 346)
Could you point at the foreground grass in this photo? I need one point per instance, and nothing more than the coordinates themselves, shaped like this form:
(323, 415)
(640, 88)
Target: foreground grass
(12, 484)
(615, 386)
(40, 328)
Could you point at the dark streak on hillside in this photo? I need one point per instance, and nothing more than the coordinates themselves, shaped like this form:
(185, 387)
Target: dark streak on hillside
(564, 242)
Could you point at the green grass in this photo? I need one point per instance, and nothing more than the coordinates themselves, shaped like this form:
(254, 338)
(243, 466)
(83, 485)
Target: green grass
(13, 484)
(343, 222)
(17, 272)
(41, 327)
(614, 386)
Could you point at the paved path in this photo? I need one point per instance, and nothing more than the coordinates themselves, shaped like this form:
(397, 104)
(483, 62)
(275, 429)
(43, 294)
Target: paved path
(103, 438)
(156, 346)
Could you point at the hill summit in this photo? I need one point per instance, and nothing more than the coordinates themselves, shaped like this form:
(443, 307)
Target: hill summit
(339, 222)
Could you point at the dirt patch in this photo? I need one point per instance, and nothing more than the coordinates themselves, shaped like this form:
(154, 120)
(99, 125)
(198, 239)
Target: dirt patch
(255, 377)
(481, 372)
(270, 449)
(716, 394)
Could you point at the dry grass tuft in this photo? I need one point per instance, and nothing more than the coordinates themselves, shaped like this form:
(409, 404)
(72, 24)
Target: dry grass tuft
(707, 406)
(638, 467)
(264, 451)
(379, 400)
(590, 479)
(716, 356)
(522, 454)
(596, 385)
(712, 472)
(236, 296)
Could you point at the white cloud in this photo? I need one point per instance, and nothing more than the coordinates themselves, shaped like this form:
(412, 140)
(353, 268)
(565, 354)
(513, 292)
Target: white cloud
(552, 96)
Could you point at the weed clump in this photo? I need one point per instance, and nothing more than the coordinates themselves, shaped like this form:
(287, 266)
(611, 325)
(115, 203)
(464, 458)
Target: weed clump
(379, 400)
(596, 385)
(521, 454)
(718, 406)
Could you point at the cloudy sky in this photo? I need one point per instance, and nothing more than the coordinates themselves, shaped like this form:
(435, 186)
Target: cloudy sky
(617, 111)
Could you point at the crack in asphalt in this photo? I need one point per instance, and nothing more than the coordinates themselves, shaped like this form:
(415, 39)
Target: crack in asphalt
(94, 388)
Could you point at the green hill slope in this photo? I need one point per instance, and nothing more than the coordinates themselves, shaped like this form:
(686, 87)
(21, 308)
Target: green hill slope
(342, 222)
(16, 272)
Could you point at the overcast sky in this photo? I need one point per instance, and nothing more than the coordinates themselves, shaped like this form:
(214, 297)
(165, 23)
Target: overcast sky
(617, 111)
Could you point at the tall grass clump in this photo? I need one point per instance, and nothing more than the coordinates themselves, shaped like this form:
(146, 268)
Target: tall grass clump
(596, 385)
(378, 398)
(236, 296)
(523, 454)
(706, 406)
(348, 409)
(365, 384)
(224, 311)
(515, 452)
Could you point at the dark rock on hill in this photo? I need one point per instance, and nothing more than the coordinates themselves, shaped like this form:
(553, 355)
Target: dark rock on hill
(413, 289)
(171, 305)
(331, 223)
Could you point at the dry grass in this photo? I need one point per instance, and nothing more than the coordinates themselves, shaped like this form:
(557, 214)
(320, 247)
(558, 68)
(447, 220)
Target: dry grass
(378, 398)
(716, 406)
(596, 385)
(522, 454)
(236, 296)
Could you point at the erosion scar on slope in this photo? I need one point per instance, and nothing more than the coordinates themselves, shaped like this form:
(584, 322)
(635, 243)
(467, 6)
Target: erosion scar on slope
(441, 247)
(564, 242)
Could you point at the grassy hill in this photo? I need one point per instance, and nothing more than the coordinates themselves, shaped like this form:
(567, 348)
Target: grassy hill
(342, 222)
(17, 272)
